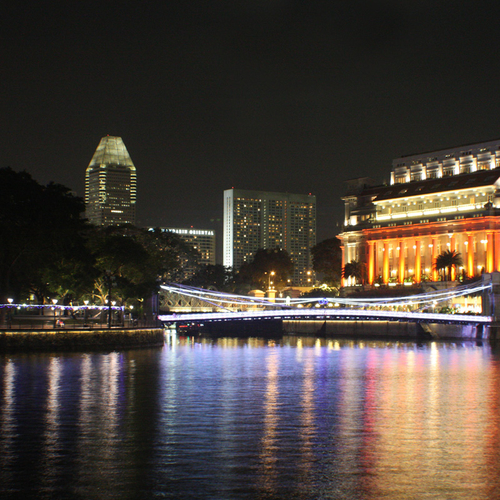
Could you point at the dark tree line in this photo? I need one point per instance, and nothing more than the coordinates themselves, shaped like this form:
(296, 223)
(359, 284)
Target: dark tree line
(47, 248)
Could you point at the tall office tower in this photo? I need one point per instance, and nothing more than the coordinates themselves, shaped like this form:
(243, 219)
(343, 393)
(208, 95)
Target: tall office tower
(110, 185)
(259, 219)
(202, 240)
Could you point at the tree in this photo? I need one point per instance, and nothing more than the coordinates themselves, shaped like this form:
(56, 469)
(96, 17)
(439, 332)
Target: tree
(327, 260)
(41, 238)
(211, 276)
(446, 261)
(170, 253)
(123, 263)
(354, 269)
(265, 262)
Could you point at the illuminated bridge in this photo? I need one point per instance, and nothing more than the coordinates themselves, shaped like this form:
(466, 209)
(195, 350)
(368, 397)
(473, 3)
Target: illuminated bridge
(418, 308)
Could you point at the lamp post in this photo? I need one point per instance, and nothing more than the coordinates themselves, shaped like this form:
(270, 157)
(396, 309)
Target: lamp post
(9, 313)
(110, 283)
(54, 301)
(86, 314)
(113, 303)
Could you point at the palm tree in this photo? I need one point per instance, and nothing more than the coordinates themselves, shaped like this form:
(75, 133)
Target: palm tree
(446, 260)
(354, 269)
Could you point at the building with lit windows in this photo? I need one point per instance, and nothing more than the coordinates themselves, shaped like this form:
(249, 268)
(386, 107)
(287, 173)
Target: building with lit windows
(110, 185)
(436, 201)
(201, 240)
(260, 219)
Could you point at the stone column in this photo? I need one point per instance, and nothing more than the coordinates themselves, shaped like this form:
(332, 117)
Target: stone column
(489, 252)
(371, 263)
(418, 270)
(433, 260)
(497, 250)
(342, 280)
(385, 269)
(452, 249)
(470, 256)
(401, 262)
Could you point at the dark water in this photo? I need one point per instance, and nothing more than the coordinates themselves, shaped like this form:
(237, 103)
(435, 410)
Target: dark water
(294, 419)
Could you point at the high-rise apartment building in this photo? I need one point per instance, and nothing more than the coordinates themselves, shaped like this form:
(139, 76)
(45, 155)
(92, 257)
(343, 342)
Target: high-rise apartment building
(110, 185)
(259, 219)
(437, 201)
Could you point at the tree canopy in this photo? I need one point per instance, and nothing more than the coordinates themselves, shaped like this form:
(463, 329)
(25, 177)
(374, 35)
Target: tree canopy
(41, 234)
(446, 261)
(327, 260)
(356, 270)
(47, 249)
(269, 266)
(214, 277)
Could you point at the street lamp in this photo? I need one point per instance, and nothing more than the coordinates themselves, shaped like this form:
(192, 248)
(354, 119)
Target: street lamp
(9, 313)
(86, 314)
(272, 273)
(54, 301)
(110, 284)
(113, 303)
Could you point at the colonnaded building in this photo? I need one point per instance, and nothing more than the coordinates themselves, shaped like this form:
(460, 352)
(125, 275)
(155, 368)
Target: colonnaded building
(110, 185)
(261, 219)
(436, 201)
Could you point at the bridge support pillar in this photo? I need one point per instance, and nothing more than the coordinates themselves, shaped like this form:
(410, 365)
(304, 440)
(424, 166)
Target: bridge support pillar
(491, 302)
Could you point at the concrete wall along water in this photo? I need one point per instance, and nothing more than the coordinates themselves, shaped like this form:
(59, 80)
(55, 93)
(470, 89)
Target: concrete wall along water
(77, 339)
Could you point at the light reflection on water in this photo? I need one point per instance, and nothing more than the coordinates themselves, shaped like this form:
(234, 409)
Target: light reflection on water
(294, 418)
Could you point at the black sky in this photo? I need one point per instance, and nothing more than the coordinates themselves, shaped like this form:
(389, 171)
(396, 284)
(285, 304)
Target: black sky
(275, 95)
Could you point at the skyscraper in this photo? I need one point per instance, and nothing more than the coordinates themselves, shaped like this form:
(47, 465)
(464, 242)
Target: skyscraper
(259, 219)
(110, 185)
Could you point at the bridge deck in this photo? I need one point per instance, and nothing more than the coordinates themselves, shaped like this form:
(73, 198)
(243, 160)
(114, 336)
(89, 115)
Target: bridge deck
(328, 315)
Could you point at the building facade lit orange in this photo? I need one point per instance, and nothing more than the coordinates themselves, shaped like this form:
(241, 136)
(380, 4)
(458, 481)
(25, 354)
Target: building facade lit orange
(437, 201)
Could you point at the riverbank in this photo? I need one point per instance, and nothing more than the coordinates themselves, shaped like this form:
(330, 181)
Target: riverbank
(68, 339)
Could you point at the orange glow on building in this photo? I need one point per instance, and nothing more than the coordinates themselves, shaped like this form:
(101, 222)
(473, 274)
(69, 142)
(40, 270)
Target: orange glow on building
(418, 271)
(401, 262)
(371, 263)
(439, 201)
(385, 272)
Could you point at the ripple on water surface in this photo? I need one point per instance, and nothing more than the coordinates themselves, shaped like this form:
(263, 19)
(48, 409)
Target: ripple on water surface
(295, 418)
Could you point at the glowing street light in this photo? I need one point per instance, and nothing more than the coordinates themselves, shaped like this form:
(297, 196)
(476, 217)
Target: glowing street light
(272, 273)
(54, 301)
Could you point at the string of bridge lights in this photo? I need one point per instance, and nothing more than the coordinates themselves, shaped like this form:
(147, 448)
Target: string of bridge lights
(419, 300)
(56, 307)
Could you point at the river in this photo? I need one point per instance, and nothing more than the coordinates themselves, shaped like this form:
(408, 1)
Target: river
(290, 418)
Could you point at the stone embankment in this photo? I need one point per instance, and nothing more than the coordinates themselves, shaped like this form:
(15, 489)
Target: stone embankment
(80, 339)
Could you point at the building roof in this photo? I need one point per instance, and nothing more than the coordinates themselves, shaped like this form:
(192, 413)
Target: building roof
(451, 183)
(111, 151)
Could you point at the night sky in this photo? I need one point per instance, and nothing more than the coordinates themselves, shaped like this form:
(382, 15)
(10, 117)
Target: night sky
(274, 95)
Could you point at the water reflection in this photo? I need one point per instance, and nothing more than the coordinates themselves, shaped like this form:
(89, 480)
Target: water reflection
(295, 417)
